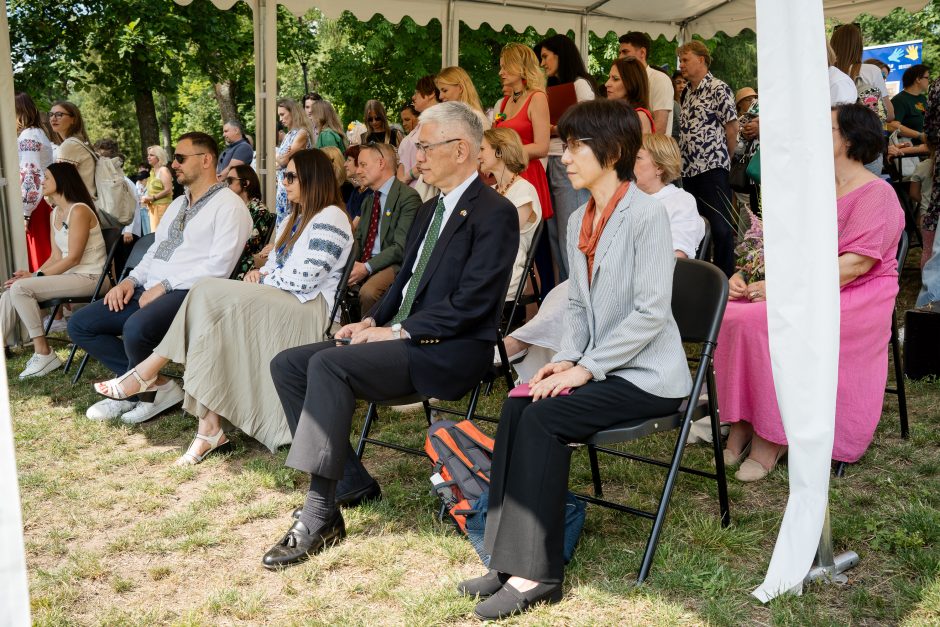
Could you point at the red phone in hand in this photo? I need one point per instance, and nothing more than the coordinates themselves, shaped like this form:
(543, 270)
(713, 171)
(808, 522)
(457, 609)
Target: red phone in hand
(523, 391)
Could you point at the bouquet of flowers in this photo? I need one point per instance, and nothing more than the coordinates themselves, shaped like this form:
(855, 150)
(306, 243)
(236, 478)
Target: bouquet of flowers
(750, 250)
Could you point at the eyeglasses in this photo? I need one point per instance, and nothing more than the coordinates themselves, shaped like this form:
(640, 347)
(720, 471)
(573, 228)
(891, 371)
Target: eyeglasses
(290, 177)
(373, 119)
(232, 179)
(574, 144)
(426, 148)
(180, 158)
(56, 115)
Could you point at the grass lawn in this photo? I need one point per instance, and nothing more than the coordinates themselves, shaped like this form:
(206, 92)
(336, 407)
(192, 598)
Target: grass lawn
(115, 535)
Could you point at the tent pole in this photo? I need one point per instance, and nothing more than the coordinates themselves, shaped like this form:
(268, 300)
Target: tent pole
(829, 567)
(265, 22)
(450, 36)
(12, 233)
(584, 40)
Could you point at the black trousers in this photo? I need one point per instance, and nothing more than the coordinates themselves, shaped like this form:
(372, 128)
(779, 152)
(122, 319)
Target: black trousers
(712, 191)
(318, 385)
(525, 523)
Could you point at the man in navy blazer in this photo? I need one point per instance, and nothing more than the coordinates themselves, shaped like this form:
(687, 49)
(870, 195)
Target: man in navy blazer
(431, 334)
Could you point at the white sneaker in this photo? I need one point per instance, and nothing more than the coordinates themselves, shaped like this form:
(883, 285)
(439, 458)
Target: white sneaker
(57, 325)
(109, 409)
(40, 365)
(168, 395)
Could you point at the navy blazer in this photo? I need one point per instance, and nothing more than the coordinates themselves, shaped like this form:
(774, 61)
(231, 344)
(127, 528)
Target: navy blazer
(455, 316)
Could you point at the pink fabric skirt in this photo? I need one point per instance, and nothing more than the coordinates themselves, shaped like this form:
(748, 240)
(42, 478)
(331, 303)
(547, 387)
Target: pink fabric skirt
(745, 380)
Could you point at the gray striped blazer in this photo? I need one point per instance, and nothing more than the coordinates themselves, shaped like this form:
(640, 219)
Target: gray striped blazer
(622, 323)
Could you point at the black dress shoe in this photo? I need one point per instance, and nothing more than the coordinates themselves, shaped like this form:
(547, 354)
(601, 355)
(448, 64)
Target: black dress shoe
(508, 601)
(483, 587)
(299, 543)
(358, 496)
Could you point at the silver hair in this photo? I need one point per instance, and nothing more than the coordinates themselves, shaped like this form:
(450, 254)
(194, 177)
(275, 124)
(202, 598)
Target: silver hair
(456, 117)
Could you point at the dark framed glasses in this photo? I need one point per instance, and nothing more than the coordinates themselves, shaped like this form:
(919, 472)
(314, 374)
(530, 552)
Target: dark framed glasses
(181, 158)
(57, 115)
(233, 179)
(290, 178)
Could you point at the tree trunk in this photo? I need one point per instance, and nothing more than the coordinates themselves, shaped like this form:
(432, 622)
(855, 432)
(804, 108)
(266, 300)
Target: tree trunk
(224, 95)
(165, 124)
(146, 117)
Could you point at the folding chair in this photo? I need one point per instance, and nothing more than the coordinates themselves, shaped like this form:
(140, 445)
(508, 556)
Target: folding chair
(340, 306)
(112, 239)
(898, 390)
(702, 252)
(137, 254)
(699, 296)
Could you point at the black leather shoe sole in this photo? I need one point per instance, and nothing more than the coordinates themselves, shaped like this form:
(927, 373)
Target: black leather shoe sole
(509, 601)
(299, 543)
(355, 498)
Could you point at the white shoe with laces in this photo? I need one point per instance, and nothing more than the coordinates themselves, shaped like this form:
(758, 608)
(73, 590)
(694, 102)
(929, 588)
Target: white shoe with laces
(109, 409)
(57, 325)
(41, 365)
(168, 395)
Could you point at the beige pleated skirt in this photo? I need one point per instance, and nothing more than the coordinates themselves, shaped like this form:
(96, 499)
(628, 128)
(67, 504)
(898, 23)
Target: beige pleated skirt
(226, 333)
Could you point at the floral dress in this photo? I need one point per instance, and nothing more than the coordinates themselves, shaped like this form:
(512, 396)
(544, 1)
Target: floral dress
(261, 222)
(35, 155)
(282, 207)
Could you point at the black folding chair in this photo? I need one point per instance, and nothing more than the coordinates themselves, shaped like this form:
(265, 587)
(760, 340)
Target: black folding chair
(898, 390)
(112, 239)
(702, 252)
(137, 254)
(699, 296)
(339, 300)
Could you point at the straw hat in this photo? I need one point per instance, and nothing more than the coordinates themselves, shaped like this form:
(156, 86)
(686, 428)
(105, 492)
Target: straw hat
(743, 93)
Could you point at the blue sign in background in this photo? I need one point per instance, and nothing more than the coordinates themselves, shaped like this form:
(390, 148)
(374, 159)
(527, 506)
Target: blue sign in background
(898, 57)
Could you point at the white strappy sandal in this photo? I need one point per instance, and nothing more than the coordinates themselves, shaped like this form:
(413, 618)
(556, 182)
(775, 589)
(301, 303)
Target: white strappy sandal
(112, 387)
(190, 458)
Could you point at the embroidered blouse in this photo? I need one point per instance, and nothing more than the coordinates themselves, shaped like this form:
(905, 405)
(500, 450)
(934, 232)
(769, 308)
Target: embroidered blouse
(35, 152)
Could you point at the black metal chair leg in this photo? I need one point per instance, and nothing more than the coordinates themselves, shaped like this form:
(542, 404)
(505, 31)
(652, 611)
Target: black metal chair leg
(474, 399)
(595, 471)
(723, 507)
(840, 469)
(427, 412)
(68, 362)
(81, 369)
(504, 367)
(52, 314)
(899, 376)
(371, 414)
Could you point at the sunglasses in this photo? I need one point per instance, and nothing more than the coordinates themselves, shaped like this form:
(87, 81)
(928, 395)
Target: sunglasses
(57, 115)
(290, 177)
(180, 158)
(372, 119)
(232, 179)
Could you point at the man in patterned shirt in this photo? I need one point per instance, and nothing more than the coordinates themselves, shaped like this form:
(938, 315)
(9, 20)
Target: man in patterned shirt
(708, 127)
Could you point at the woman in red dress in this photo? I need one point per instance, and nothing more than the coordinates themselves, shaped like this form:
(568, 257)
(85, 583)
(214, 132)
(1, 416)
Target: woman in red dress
(525, 110)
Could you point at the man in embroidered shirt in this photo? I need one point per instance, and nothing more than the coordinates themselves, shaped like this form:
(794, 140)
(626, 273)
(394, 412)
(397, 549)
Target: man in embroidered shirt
(636, 45)
(708, 133)
(380, 236)
(431, 335)
(201, 235)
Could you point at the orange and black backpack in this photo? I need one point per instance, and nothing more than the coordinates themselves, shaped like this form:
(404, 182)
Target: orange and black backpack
(461, 455)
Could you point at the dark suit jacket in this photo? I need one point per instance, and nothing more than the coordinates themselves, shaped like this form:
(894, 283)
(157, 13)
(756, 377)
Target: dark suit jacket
(400, 209)
(455, 316)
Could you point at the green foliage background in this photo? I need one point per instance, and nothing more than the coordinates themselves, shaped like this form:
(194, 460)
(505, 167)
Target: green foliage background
(100, 53)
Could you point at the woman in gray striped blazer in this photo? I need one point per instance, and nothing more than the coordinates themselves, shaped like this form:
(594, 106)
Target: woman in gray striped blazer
(621, 359)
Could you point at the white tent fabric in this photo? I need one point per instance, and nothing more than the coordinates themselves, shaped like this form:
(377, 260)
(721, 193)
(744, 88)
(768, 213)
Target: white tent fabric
(802, 289)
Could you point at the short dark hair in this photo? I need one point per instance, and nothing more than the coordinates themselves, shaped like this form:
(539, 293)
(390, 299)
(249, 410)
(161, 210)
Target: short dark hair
(311, 96)
(913, 73)
(69, 183)
(353, 151)
(638, 40)
(236, 125)
(426, 86)
(27, 114)
(410, 107)
(861, 129)
(202, 141)
(613, 128)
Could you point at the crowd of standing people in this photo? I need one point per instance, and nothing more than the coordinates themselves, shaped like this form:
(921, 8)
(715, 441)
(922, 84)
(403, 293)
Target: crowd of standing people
(425, 228)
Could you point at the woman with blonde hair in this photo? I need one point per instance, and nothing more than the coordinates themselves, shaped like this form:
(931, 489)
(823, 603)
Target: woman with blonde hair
(159, 186)
(525, 110)
(454, 85)
(226, 332)
(325, 118)
(503, 157)
(298, 137)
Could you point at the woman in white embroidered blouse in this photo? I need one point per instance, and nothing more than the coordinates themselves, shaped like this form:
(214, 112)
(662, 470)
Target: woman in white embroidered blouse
(227, 333)
(35, 153)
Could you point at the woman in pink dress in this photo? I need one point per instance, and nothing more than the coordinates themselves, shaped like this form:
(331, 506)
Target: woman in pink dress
(870, 221)
(525, 110)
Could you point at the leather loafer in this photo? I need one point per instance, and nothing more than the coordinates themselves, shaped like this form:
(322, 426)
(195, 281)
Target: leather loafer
(358, 496)
(508, 601)
(299, 543)
(483, 587)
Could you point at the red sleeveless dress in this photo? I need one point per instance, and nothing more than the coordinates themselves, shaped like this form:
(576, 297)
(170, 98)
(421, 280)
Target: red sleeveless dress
(535, 173)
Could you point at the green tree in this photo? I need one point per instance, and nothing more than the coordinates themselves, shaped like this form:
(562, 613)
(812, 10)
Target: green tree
(297, 40)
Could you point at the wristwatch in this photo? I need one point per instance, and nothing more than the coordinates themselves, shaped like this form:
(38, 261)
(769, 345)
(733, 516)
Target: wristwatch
(396, 330)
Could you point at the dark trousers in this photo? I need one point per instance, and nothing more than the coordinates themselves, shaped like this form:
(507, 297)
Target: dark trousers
(712, 191)
(318, 385)
(525, 523)
(122, 339)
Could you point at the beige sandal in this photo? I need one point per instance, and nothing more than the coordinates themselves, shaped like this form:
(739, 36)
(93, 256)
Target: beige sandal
(113, 389)
(190, 458)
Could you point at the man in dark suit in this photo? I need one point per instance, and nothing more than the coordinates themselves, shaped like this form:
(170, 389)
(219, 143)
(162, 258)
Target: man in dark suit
(383, 227)
(432, 334)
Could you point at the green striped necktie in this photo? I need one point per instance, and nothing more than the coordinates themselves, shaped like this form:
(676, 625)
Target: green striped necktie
(434, 231)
